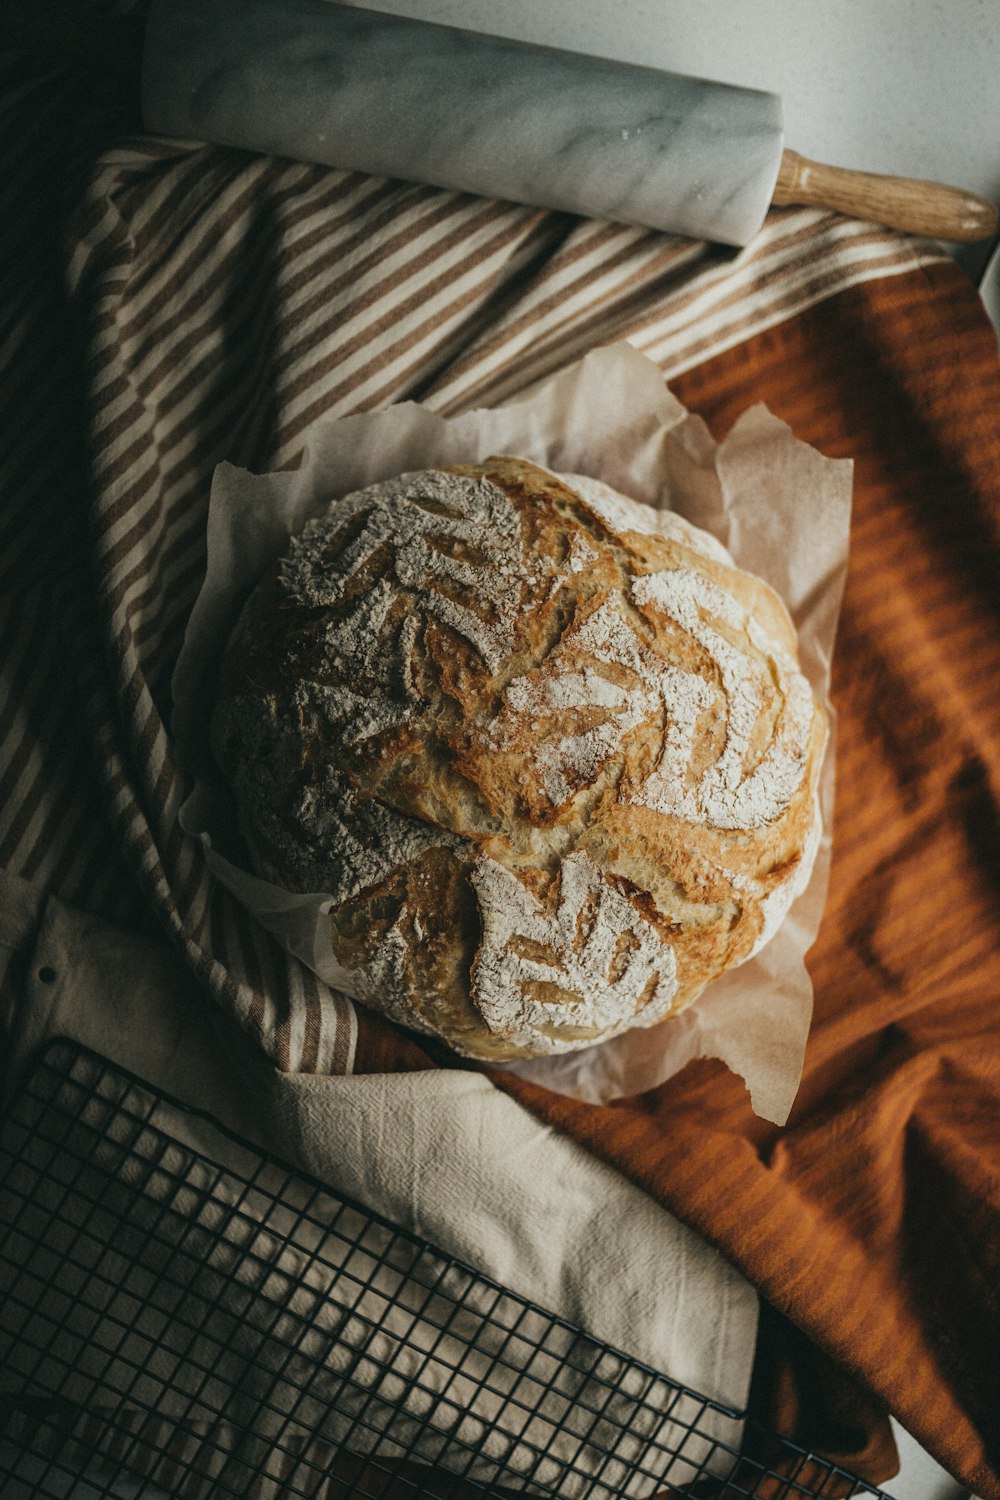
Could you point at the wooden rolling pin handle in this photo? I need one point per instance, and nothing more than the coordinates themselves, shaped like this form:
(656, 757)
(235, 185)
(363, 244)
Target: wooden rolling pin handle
(907, 203)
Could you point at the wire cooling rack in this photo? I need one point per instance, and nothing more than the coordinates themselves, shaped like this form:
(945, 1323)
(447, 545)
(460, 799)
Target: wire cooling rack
(183, 1316)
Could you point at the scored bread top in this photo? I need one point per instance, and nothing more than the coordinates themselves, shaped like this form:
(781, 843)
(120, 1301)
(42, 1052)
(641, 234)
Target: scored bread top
(549, 752)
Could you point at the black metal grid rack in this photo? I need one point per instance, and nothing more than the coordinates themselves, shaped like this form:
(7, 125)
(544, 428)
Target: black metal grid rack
(181, 1315)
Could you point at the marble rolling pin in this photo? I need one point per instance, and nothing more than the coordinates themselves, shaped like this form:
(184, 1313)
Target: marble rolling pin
(324, 82)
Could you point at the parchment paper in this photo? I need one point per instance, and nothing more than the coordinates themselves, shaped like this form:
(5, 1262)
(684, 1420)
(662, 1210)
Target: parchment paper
(780, 507)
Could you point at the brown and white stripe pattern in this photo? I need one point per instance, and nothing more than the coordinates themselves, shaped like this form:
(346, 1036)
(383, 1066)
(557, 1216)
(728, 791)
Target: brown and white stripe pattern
(53, 828)
(223, 303)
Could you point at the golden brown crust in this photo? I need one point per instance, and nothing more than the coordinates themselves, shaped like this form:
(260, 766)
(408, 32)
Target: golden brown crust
(558, 770)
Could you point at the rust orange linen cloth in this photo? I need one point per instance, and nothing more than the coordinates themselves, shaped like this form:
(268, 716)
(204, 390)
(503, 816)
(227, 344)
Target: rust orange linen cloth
(167, 306)
(872, 1220)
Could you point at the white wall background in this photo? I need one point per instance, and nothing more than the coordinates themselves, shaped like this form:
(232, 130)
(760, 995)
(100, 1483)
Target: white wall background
(901, 86)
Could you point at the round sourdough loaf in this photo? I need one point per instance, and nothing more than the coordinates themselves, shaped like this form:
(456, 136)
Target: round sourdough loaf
(549, 752)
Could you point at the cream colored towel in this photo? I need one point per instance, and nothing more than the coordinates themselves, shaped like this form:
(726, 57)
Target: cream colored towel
(449, 1157)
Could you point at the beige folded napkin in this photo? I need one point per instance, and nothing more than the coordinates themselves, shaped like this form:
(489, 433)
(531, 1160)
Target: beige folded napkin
(442, 1154)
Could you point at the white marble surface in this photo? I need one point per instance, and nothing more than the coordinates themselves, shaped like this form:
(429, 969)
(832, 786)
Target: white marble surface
(990, 289)
(920, 1477)
(910, 87)
(396, 97)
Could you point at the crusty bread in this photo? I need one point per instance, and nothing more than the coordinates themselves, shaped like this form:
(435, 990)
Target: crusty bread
(549, 752)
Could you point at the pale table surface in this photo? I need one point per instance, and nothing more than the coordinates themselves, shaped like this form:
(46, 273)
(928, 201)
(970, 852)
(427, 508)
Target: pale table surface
(910, 87)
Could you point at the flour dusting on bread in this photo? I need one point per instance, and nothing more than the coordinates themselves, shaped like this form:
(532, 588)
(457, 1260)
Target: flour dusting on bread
(452, 542)
(548, 751)
(540, 973)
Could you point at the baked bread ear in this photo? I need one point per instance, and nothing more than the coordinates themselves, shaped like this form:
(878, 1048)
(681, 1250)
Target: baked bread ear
(548, 751)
